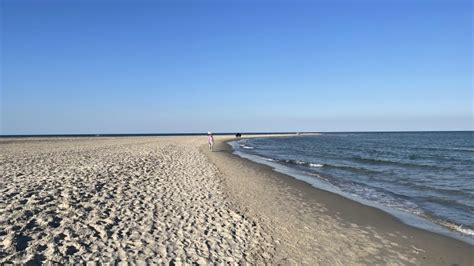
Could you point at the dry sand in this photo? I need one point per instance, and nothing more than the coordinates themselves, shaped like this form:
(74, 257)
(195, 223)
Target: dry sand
(154, 200)
(169, 200)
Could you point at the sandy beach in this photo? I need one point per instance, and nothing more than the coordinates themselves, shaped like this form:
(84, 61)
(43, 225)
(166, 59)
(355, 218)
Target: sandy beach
(166, 200)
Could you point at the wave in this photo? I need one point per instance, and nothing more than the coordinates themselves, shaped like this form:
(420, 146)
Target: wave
(396, 163)
(466, 149)
(352, 168)
(432, 182)
(465, 207)
(400, 202)
(298, 162)
(461, 149)
(247, 147)
(326, 165)
(266, 159)
(427, 187)
(454, 227)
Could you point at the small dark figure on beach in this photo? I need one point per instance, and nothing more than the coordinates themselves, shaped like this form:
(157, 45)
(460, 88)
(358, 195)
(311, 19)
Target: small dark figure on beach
(238, 135)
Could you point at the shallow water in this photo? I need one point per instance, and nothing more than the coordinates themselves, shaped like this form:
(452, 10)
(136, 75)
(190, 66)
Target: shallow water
(428, 174)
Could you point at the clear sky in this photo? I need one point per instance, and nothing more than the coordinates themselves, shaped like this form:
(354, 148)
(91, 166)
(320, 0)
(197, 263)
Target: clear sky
(193, 66)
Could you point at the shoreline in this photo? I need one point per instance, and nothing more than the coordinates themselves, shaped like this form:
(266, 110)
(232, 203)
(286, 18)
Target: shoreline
(407, 218)
(163, 200)
(415, 244)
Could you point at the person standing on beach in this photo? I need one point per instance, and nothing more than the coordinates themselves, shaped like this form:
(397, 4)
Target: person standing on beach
(210, 140)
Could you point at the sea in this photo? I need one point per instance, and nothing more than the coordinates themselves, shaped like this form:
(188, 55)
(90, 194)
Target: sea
(426, 179)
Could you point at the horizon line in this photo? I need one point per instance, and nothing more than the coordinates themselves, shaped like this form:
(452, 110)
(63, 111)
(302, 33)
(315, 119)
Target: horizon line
(218, 133)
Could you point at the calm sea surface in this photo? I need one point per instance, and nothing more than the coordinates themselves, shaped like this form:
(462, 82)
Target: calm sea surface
(429, 174)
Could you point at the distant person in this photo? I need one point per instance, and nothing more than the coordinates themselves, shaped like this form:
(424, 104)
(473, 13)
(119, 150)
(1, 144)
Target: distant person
(210, 140)
(238, 135)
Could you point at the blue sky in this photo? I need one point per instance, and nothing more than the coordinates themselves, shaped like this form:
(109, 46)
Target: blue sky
(194, 66)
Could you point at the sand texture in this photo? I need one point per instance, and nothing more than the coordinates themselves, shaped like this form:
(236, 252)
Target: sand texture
(161, 200)
(153, 200)
(314, 227)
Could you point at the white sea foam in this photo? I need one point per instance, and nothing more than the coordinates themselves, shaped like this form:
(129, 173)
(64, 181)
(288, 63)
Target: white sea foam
(246, 147)
(365, 191)
(459, 228)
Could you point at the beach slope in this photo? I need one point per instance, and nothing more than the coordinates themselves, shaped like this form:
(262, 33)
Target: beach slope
(310, 225)
(170, 200)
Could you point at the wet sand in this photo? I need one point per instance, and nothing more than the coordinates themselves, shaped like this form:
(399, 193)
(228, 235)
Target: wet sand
(169, 200)
(311, 226)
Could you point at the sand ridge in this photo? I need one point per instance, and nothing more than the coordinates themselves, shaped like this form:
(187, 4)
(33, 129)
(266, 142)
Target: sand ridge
(152, 200)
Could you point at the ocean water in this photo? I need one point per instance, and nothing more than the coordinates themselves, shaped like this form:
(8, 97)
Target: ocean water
(429, 175)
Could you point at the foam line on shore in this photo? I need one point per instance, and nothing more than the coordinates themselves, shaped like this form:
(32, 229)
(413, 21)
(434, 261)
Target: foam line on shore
(304, 219)
(450, 230)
